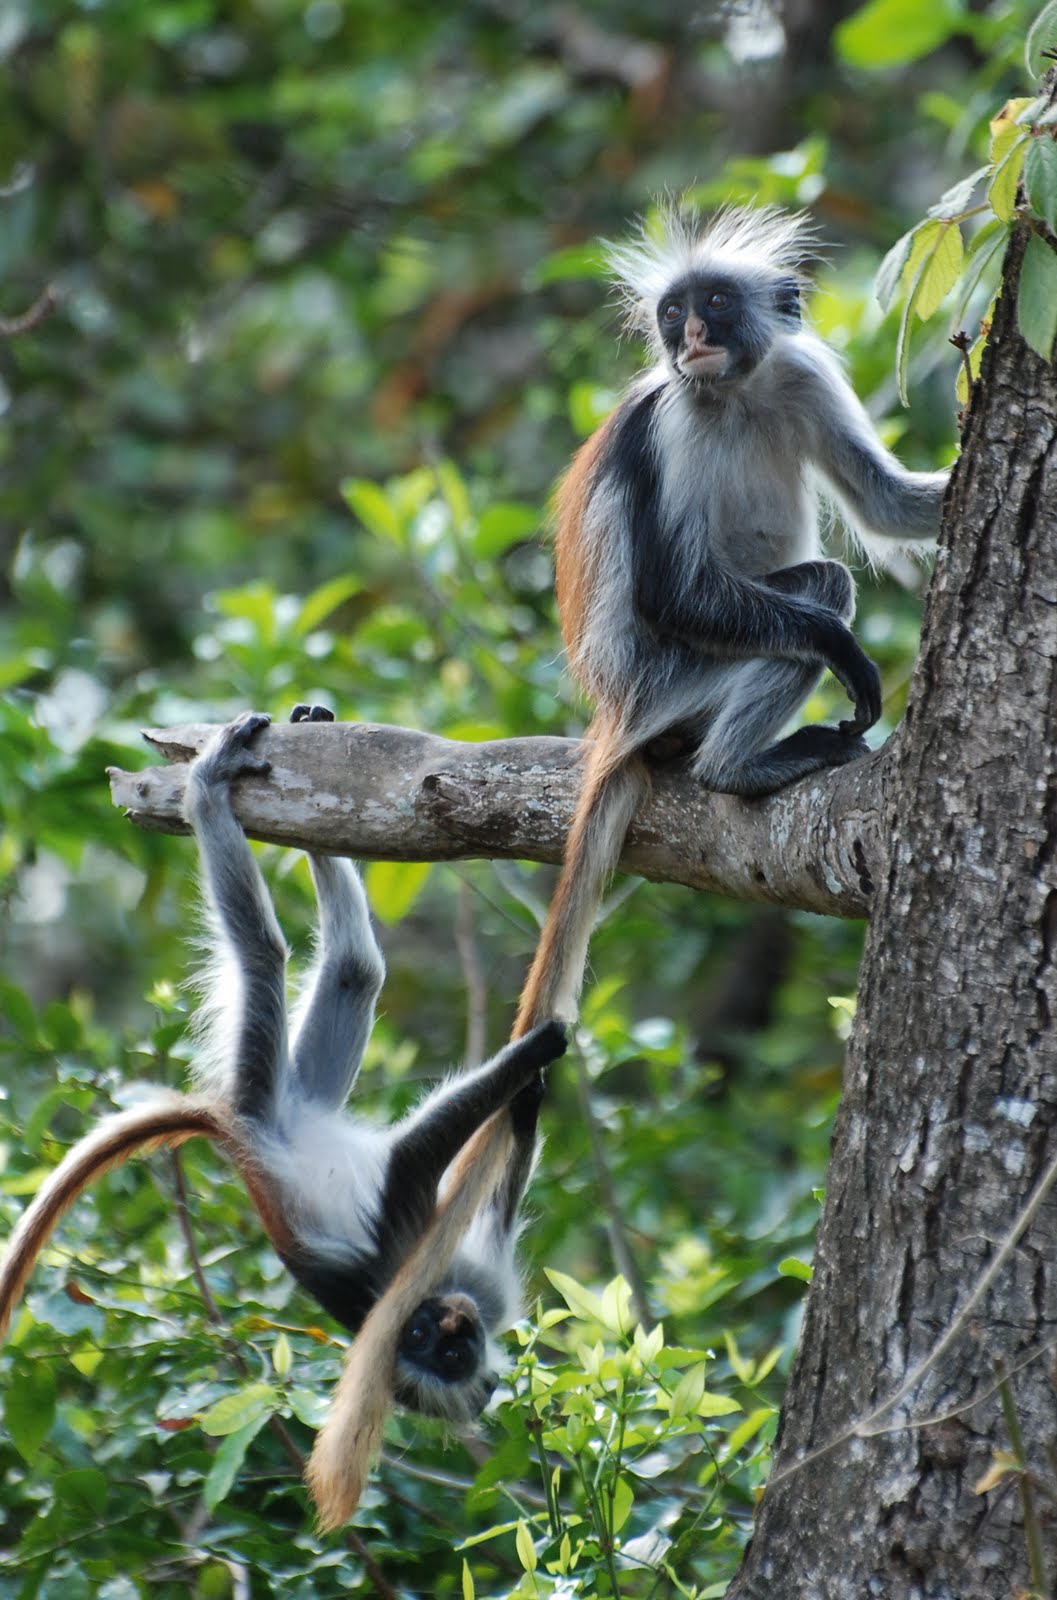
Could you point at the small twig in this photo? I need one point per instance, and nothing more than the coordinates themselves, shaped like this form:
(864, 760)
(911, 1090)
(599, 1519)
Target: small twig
(1032, 1531)
(39, 311)
(963, 344)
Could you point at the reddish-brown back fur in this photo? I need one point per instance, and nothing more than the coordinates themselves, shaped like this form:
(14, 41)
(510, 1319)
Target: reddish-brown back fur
(574, 563)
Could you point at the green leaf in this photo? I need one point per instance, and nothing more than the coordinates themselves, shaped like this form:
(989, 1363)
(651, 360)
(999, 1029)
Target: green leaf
(1037, 297)
(503, 525)
(581, 1302)
(1008, 148)
(394, 886)
(84, 1490)
(956, 199)
(688, 1393)
(577, 261)
(889, 33)
(748, 1429)
(939, 271)
(29, 1407)
(792, 1267)
(453, 488)
(932, 268)
(1042, 36)
(251, 1404)
(282, 1356)
(468, 1591)
(525, 1548)
(317, 606)
(1040, 179)
(890, 272)
(227, 1461)
(590, 404)
(623, 1504)
(371, 504)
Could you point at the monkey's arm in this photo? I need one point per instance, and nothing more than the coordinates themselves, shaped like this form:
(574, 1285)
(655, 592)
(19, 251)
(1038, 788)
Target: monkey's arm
(429, 1140)
(876, 492)
(249, 989)
(733, 617)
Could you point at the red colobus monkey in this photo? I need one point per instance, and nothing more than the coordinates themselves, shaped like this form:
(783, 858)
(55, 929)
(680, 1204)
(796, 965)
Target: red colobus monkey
(407, 1233)
(695, 606)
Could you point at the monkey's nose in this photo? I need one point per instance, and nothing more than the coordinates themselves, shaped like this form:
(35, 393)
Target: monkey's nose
(458, 1316)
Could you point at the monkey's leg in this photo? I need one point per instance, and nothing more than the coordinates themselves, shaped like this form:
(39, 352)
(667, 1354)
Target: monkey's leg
(336, 1012)
(248, 1000)
(736, 755)
(828, 583)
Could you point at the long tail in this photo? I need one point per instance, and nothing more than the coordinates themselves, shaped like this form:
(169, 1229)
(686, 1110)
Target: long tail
(163, 1122)
(614, 783)
(352, 1434)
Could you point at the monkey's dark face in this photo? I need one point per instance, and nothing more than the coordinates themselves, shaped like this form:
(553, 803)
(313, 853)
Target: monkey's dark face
(442, 1361)
(715, 328)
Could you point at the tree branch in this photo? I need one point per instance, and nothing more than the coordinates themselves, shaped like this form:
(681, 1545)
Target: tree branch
(375, 792)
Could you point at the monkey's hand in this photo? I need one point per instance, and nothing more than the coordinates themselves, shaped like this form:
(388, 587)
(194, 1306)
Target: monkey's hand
(542, 1045)
(859, 677)
(228, 755)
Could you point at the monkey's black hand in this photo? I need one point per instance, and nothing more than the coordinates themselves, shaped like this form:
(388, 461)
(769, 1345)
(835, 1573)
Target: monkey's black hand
(228, 755)
(861, 680)
(544, 1044)
(306, 713)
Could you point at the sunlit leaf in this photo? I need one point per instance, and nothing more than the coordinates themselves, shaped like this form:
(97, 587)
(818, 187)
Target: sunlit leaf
(239, 1410)
(889, 33)
(371, 504)
(394, 886)
(525, 1548)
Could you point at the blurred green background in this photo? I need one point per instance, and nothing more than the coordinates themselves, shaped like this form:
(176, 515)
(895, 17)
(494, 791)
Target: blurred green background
(332, 321)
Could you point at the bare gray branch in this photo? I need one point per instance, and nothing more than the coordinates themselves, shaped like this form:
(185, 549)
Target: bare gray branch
(376, 792)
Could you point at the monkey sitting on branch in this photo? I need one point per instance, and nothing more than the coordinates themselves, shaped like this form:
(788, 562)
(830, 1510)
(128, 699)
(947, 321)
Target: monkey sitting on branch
(695, 605)
(405, 1235)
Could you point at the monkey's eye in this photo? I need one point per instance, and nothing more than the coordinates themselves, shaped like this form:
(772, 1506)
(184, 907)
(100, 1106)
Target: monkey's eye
(717, 300)
(672, 311)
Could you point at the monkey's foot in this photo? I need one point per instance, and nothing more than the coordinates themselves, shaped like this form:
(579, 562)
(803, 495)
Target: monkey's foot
(306, 713)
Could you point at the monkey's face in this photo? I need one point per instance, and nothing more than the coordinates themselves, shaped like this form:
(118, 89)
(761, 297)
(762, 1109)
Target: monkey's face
(714, 328)
(443, 1361)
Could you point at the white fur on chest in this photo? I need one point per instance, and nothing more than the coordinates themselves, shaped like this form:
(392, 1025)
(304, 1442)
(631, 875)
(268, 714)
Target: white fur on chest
(733, 479)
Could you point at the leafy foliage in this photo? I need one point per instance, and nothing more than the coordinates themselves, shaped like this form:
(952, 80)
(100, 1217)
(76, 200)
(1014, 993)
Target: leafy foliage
(330, 324)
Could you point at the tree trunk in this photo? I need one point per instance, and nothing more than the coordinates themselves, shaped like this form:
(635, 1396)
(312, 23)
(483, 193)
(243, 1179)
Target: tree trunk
(948, 1122)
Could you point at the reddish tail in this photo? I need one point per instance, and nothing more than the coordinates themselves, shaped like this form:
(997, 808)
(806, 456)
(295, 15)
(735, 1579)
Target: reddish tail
(614, 784)
(164, 1122)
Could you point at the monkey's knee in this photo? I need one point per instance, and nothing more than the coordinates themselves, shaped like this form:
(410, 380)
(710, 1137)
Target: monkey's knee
(828, 583)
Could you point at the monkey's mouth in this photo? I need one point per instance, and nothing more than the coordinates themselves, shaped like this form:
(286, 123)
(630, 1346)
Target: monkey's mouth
(704, 361)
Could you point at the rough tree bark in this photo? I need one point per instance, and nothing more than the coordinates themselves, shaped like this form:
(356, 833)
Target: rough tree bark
(949, 1114)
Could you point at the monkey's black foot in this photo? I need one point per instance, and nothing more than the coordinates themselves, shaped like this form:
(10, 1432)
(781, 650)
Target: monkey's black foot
(229, 756)
(306, 713)
(826, 746)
